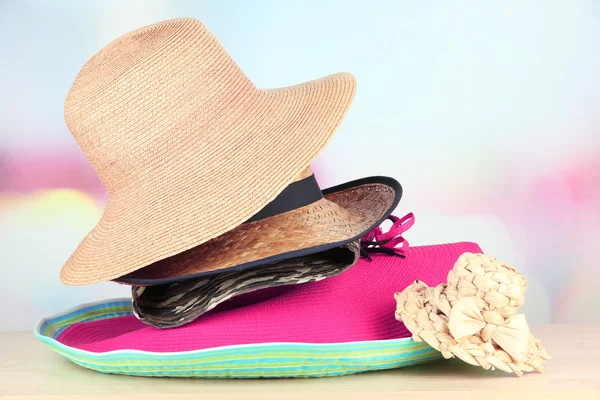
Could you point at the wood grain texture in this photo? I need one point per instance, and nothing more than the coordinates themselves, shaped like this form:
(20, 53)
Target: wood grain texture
(29, 370)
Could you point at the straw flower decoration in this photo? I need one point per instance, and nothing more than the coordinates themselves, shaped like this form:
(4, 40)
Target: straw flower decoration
(474, 316)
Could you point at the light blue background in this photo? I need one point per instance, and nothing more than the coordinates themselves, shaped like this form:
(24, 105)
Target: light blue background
(486, 112)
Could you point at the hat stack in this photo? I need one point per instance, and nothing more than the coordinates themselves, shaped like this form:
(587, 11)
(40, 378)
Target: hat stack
(240, 265)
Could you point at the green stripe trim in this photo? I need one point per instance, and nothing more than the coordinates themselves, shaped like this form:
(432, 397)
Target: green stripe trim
(241, 361)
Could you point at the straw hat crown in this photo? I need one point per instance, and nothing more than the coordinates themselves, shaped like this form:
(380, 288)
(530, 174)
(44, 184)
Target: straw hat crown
(151, 92)
(185, 144)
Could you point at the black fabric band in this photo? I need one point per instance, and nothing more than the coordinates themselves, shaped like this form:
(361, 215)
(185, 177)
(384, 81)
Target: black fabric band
(296, 195)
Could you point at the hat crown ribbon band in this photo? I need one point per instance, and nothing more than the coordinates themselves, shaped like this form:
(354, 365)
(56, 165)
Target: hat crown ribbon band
(296, 195)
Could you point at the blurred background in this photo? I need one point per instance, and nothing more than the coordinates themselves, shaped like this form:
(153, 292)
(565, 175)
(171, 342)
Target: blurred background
(486, 112)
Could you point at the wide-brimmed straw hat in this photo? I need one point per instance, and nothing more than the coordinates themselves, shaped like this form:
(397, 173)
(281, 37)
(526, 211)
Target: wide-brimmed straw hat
(285, 229)
(185, 144)
(343, 324)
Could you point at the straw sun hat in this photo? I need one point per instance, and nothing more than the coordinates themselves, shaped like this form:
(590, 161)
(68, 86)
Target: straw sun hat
(189, 149)
(474, 316)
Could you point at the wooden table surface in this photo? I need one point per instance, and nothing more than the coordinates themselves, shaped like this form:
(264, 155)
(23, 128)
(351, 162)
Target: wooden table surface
(30, 370)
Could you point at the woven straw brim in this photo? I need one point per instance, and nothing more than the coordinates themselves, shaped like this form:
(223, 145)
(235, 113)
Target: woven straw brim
(177, 304)
(283, 130)
(338, 218)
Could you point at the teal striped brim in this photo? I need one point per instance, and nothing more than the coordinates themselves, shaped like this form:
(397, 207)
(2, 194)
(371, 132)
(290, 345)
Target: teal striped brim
(265, 360)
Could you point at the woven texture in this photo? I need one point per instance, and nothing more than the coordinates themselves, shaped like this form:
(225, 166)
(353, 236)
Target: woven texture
(266, 360)
(474, 316)
(338, 217)
(356, 305)
(176, 304)
(186, 146)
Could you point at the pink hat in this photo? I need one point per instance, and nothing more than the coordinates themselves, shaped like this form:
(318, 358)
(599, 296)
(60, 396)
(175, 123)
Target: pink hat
(354, 307)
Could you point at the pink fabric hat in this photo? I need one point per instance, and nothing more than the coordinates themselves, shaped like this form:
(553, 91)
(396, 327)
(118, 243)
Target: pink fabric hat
(357, 305)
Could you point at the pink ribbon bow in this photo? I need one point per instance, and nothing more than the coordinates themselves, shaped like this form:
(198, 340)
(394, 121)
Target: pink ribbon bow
(378, 241)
